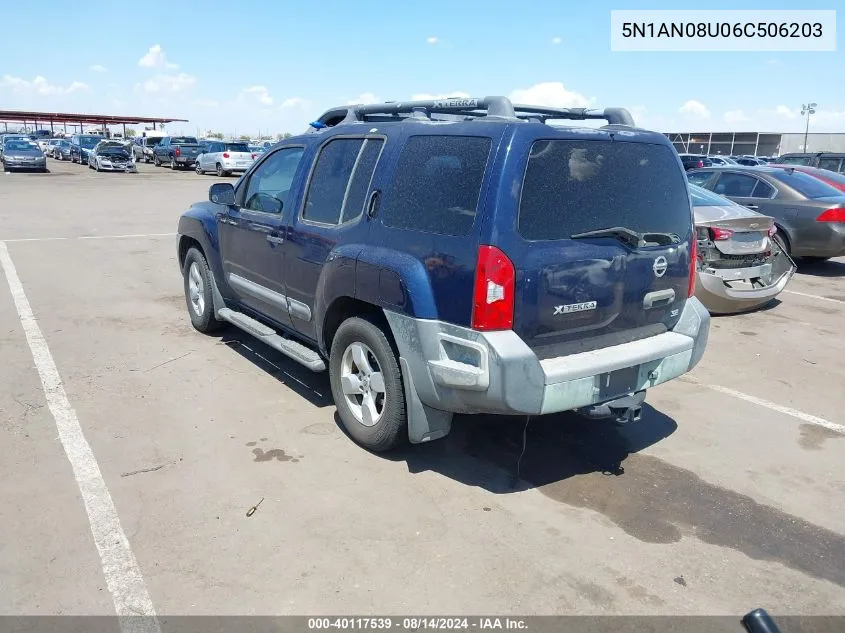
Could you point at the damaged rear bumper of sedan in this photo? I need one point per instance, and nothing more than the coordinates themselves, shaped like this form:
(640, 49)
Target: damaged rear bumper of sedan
(728, 284)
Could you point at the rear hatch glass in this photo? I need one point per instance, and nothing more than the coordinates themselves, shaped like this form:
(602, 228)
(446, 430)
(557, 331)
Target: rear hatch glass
(607, 226)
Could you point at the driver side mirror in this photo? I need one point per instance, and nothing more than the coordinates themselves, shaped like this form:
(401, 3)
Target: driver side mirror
(222, 193)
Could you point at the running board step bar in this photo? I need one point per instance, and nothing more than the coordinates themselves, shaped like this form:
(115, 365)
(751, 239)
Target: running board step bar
(289, 347)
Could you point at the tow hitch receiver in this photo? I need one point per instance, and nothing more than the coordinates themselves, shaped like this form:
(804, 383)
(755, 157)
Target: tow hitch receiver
(622, 410)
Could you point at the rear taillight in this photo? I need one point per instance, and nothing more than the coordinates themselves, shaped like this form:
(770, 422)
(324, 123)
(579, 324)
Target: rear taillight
(832, 215)
(773, 230)
(717, 234)
(493, 292)
(253, 156)
(177, 152)
(693, 264)
(700, 163)
(225, 154)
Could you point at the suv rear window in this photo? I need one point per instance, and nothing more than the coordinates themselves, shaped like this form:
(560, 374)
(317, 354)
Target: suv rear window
(574, 186)
(437, 185)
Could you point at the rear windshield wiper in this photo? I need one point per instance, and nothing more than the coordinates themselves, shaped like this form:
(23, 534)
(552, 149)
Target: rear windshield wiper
(630, 236)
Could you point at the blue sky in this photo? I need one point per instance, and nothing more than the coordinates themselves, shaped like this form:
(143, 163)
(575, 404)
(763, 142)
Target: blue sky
(269, 66)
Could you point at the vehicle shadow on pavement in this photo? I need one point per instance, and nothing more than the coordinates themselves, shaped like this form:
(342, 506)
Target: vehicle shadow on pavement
(313, 387)
(827, 268)
(485, 451)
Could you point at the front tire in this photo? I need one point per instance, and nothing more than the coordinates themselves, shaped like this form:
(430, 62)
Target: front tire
(367, 385)
(198, 170)
(198, 295)
(156, 161)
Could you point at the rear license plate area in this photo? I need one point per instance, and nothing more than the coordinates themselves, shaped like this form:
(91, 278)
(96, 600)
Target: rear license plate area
(618, 383)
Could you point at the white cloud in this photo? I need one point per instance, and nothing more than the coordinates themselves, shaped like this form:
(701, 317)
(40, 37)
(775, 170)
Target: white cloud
(98, 68)
(695, 108)
(432, 40)
(735, 116)
(295, 102)
(785, 112)
(40, 86)
(424, 96)
(165, 83)
(259, 94)
(556, 40)
(364, 99)
(552, 94)
(155, 58)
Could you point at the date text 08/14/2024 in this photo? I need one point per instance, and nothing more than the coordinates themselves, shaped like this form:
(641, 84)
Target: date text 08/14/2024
(415, 623)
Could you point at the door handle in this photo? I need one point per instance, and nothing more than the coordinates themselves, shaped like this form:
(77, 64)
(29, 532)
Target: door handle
(275, 239)
(658, 298)
(228, 220)
(752, 206)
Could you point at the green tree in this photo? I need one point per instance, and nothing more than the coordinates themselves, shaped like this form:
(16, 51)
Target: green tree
(282, 137)
(130, 132)
(211, 134)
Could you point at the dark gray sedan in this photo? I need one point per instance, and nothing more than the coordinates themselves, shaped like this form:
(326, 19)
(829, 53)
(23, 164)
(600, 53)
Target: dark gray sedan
(809, 214)
(22, 154)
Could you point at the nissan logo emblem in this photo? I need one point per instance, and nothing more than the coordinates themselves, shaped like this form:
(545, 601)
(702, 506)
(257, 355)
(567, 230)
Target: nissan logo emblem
(659, 267)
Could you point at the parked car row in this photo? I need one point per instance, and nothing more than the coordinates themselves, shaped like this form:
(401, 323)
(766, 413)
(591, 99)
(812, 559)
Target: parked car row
(696, 161)
(18, 151)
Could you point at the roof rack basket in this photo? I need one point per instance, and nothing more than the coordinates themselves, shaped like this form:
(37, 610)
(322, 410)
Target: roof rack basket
(497, 108)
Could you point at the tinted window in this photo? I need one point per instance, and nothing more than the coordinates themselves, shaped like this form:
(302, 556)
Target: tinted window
(237, 147)
(359, 184)
(829, 163)
(738, 185)
(763, 190)
(183, 140)
(572, 187)
(437, 184)
(269, 185)
(796, 160)
(700, 177)
(703, 198)
(805, 184)
(330, 179)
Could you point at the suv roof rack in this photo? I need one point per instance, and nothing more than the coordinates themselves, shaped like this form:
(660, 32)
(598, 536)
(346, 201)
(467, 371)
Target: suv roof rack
(498, 108)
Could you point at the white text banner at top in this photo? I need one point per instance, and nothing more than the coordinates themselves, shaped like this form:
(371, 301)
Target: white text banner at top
(723, 30)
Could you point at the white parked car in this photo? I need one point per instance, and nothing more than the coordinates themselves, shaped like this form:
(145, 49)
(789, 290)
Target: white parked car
(225, 158)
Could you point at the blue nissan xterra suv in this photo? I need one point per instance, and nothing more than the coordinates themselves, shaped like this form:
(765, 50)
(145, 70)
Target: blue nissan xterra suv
(457, 256)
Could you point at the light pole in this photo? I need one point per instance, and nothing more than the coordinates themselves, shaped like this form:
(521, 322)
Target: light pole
(808, 109)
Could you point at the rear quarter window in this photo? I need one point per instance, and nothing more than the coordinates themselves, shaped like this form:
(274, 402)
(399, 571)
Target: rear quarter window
(806, 185)
(574, 186)
(437, 184)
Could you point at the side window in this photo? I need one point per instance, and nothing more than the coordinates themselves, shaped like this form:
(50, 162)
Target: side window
(829, 163)
(269, 185)
(437, 184)
(700, 178)
(737, 185)
(763, 190)
(359, 184)
(330, 180)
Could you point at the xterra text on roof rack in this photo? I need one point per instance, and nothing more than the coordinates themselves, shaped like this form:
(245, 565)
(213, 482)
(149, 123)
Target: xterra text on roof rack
(457, 256)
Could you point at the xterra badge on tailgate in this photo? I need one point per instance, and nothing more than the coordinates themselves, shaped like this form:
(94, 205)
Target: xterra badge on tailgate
(575, 307)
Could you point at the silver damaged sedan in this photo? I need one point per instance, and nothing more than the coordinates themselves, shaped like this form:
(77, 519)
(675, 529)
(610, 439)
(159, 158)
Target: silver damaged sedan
(742, 264)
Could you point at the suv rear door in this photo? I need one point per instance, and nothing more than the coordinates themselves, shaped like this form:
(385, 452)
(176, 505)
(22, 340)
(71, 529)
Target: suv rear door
(575, 294)
(330, 215)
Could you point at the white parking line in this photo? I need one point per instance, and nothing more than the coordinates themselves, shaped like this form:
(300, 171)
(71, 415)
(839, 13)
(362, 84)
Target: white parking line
(795, 413)
(120, 568)
(820, 298)
(90, 237)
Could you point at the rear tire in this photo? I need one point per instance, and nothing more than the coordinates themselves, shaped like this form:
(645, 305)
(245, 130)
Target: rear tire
(782, 241)
(220, 171)
(156, 161)
(172, 163)
(198, 295)
(367, 386)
